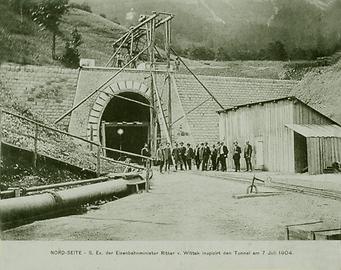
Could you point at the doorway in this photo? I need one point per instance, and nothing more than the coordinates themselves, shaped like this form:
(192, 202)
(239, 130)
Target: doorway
(300, 152)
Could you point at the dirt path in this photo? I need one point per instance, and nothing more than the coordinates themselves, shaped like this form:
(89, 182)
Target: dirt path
(184, 206)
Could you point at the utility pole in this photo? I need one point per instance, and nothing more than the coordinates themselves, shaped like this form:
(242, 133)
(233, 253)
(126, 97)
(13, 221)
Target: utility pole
(151, 42)
(167, 49)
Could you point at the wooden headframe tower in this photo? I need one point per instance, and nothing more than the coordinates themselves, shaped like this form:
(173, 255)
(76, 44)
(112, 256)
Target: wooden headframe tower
(128, 48)
(138, 44)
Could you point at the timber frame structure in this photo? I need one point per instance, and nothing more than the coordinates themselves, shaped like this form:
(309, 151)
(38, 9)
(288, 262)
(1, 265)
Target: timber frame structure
(138, 43)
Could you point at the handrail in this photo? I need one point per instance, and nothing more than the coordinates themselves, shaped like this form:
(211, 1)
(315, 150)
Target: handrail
(49, 128)
(74, 136)
(82, 139)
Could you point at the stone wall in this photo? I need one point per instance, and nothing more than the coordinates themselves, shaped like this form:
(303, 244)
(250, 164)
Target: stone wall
(89, 114)
(47, 90)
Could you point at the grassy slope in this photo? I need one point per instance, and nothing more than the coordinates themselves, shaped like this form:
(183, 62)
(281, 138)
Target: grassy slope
(98, 34)
(250, 69)
(25, 43)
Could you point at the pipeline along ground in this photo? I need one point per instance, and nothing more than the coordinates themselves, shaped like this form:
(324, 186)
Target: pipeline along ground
(186, 206)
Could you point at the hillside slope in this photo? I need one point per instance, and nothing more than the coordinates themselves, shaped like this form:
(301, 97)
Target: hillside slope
(23, 42)
(321, 88)
(243, 27)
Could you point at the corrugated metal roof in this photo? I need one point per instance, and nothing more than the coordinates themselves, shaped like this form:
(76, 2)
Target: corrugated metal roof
(316, 130)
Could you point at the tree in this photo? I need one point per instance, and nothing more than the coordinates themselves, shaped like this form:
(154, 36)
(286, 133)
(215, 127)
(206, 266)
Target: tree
(201, 53)
(277, 51)
(222, 54)
(48, 15)
(71, 55)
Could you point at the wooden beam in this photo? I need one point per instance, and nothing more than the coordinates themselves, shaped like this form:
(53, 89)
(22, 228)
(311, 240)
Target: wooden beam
(256, 195)
(104, 85)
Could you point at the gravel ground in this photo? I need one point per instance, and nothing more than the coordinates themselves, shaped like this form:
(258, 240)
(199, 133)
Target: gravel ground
(185, 206)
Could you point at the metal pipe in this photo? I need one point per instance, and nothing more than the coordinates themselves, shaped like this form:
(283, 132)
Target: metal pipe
(32, 207)
(132, 175)
(66, 184)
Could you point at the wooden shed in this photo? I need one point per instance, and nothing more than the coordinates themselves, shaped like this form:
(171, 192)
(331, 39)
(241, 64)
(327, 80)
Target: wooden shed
(287, 135)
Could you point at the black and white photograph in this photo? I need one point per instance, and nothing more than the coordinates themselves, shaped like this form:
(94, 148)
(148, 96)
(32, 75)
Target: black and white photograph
(168, 122)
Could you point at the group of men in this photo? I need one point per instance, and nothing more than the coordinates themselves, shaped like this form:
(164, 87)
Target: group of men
(204, 157)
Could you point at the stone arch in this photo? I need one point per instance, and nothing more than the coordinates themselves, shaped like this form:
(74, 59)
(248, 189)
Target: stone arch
(104, 98)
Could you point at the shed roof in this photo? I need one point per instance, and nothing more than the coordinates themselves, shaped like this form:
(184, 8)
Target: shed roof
(316, 130)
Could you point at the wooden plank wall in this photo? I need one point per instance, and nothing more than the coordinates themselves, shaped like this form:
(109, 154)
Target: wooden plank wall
(266, 121)
(322, 152)
(303, 114)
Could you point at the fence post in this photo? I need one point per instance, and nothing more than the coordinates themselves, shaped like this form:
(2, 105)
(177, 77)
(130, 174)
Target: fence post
(35, 146)
(98, 167)
(147, 175)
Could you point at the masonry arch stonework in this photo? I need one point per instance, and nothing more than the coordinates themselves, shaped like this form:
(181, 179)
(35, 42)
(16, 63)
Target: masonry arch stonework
(104, 97)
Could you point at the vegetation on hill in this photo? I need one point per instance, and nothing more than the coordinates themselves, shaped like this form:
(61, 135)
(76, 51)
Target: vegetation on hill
(241, 30)
(23, 41)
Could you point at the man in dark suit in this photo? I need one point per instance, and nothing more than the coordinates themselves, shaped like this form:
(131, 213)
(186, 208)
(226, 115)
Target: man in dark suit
(145, 152)
(189, 155)
(160, 156)
(176, 156)
(206, 156)
(223, 152)
(236, 156)
(168, 157)
(214, 156)
(183, 162)
(247, 156)
(197, 156)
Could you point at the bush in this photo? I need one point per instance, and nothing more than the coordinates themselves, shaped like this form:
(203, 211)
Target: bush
(222, 54)
(201, 53)
(71, 54)
(276, 51)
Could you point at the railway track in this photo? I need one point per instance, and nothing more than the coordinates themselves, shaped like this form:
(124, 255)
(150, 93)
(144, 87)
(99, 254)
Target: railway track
(325, 193)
